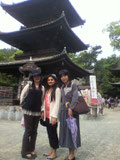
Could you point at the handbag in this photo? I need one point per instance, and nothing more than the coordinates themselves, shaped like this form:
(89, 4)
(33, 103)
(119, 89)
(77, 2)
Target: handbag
(43, 123)
(81, 107)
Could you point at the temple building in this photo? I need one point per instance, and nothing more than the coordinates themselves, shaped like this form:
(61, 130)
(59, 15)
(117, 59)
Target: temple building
(46, 36)
(116, 72)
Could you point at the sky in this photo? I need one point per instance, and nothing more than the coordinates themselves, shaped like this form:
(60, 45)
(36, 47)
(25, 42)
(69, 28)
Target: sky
(97, 14)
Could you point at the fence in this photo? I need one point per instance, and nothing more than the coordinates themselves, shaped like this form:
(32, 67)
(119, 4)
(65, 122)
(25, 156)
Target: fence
(7, 95)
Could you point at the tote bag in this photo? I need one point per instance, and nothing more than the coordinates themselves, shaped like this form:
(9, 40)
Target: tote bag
(81, 107)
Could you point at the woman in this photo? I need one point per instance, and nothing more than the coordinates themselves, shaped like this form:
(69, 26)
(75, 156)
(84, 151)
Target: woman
(69, 94)
(31, 101)
(50, 113)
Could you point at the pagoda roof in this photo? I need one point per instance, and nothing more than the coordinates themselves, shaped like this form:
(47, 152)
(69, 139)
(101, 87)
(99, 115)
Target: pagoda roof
(34, 12)
(56, 34)
(116, 84)
(50, 64)
(116, 71)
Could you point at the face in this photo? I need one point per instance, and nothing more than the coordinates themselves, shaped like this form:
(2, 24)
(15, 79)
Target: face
(36, 78)
(64, 78)
(51, 81)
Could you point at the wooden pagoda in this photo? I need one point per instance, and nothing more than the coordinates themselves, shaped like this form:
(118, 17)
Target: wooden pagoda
(116, 72)
(46, 36)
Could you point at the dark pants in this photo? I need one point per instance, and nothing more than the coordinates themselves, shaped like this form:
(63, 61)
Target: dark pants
(30, 134)
(52, 135)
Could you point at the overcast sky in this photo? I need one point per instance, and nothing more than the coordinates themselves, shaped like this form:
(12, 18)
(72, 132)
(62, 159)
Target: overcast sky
(97, 13)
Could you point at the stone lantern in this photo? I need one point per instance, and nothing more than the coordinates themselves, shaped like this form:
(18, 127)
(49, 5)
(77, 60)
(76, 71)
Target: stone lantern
(26, 71)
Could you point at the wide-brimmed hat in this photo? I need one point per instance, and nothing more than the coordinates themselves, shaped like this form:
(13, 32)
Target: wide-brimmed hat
(36, 72)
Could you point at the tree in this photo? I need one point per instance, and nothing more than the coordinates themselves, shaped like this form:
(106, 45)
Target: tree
(2, 56)
(104, 76)
(87, 59)
(7, 55)
(114, 34)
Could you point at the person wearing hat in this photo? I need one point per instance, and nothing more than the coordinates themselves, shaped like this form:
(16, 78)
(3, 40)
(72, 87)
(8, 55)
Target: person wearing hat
(69, 98)
(31, 102)
(50, 113)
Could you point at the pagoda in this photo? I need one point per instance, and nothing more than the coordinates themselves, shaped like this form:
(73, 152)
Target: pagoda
(116, 72)
(46, 36)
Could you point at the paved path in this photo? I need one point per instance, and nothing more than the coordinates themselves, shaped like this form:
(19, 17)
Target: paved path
(100, 139)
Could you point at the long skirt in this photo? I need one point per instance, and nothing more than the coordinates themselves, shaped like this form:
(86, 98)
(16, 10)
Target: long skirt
(65, 137)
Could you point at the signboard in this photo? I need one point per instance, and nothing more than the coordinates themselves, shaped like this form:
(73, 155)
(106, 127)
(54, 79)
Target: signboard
(93, 90)
(93, 87)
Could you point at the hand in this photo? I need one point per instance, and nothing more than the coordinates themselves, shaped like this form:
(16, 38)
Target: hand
(42, 115)
(20, 108)
(66, 104)
(70, 113)
(53, 121)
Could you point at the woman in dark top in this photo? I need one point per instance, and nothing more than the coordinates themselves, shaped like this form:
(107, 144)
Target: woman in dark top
(31, 101)
(69, 94)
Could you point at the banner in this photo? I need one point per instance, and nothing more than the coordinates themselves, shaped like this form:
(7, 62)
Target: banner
(93, 87)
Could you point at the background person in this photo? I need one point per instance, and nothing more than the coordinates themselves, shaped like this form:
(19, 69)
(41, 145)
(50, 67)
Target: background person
(69, 93)
(50, 113)
(32, 110)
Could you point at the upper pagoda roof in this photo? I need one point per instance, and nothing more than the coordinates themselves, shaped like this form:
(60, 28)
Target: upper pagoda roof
(35, 12)
(56, 34)
(50, 64)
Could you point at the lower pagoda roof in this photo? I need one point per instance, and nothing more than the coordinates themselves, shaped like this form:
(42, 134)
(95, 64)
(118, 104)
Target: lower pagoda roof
(56, 34)
(116, 71)
(116, 84)
(34, 12)
(50, 64)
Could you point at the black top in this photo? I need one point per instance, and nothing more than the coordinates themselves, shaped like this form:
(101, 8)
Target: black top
(32, 101)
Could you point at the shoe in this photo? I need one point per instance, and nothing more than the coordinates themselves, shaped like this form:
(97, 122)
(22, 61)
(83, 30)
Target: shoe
(34, 155)
(50, 158)
(27, 157)
(71, 159)
(46, 154)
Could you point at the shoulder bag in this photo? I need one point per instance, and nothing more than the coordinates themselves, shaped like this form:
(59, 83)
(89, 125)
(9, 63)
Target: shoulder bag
(81, 107)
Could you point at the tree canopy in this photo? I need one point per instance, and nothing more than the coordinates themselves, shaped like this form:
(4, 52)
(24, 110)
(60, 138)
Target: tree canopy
(8, 55)
(114, 34)
(87, 59)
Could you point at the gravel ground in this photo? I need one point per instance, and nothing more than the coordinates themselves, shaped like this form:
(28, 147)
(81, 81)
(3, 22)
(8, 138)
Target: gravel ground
(100, 139)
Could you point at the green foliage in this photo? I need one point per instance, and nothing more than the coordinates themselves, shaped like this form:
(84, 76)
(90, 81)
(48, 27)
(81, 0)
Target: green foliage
(86, 59)
(102, 69)
(2, 56)
(104, 76)
(17, 52)
(7, 55)
(8, 80)
(114, 34)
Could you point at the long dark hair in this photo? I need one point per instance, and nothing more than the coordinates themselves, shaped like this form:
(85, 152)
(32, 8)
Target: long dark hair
(54, 86)
(33, 84)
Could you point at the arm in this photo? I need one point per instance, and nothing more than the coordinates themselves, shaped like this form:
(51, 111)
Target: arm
(74, 99)
(24, 91)
(56, 107)
(42, 99)
(74, 96)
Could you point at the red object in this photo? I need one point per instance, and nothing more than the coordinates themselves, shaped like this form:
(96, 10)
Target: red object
(94, 101)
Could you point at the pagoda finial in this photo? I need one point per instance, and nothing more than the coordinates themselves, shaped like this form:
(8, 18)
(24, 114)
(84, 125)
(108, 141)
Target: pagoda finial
(63, 13)
(30, 58)
(65, 51)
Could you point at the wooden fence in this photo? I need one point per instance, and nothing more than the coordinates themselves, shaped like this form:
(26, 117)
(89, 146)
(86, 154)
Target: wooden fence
(7, 95)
